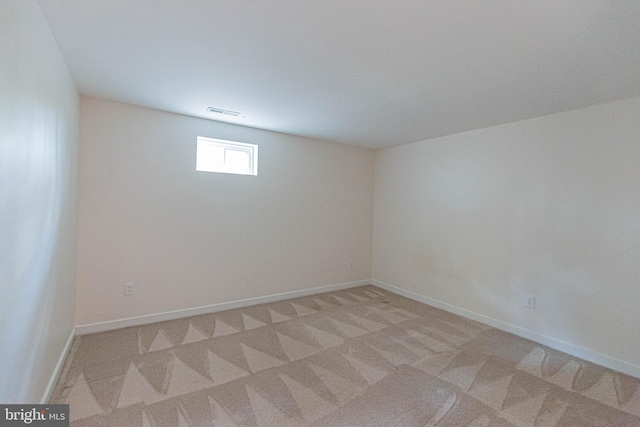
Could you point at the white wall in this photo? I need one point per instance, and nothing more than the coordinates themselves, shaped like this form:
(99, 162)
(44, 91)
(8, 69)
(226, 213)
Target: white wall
(548, 206)
(189, 239)
(38, 141)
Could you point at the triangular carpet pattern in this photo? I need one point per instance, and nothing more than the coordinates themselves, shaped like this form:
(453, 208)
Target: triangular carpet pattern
(359, 357)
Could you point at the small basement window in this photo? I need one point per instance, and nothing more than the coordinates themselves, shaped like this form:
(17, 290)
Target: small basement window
(218, 155)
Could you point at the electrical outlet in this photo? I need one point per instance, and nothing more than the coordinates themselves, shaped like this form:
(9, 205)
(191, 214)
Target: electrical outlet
(128, 289)
(529, 301)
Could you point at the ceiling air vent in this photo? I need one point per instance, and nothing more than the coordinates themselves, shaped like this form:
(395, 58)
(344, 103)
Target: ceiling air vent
(221, 111)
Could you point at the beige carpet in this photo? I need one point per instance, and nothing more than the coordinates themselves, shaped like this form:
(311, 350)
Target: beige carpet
(360, 357)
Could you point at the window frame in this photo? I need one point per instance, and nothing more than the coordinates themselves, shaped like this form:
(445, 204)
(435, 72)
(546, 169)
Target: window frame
(250, 149)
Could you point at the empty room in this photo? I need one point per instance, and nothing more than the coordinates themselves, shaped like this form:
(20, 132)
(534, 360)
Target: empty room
(275, 213)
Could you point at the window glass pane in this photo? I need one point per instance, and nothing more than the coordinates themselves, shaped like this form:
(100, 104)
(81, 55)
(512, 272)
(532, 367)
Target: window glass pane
(237, 161)
(210, 157)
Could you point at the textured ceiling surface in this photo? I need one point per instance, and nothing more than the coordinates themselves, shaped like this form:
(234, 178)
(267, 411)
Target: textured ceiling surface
(371, 73)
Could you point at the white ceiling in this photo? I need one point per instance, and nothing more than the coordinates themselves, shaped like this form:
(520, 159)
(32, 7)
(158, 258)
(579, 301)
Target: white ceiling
(372, 73)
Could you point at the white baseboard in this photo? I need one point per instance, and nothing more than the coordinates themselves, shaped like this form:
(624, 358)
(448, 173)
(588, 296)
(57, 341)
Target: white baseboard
(177, 314)
(56, 371)
(574, 350)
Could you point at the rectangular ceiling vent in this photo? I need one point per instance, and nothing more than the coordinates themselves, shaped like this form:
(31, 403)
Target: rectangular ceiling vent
(221, 111)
